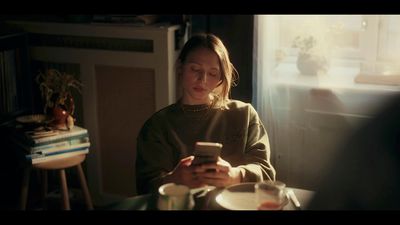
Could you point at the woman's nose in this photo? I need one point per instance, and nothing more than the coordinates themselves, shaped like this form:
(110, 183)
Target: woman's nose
(202, 77)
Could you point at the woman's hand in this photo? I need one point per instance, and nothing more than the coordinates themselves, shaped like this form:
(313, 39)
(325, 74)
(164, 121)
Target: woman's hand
(220, 174)
(184, 174)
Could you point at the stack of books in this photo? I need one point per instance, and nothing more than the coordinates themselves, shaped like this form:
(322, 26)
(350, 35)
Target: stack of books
(47, 145)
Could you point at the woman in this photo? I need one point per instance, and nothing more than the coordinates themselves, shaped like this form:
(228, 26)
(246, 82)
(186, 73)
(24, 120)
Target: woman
(203, 113)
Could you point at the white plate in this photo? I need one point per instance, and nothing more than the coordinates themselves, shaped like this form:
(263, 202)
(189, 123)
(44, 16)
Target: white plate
(36, 118)
(238, 197)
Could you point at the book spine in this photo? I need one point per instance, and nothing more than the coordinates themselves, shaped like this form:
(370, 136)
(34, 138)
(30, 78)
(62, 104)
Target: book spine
(58, 156)
(44, 154)
(60, 139)
(49, 146)
(60, 136)
(58, 151)
(60, 145)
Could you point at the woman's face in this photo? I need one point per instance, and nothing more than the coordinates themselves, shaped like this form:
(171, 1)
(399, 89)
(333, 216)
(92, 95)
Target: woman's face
(201, 74)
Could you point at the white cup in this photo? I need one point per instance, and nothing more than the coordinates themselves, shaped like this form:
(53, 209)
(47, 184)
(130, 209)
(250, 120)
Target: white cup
(174, 197)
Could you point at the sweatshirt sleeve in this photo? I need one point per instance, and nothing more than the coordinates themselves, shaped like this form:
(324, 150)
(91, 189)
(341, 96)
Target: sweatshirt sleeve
(257, 165)
(154, 157)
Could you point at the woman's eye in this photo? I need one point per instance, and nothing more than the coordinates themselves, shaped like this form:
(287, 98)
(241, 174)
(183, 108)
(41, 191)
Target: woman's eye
(196, 69)
(214, 74)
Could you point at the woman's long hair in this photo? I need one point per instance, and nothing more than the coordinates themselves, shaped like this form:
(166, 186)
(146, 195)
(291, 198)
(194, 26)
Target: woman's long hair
(229, 74)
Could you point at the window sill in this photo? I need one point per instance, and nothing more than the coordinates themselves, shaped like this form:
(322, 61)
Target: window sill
(342, 78)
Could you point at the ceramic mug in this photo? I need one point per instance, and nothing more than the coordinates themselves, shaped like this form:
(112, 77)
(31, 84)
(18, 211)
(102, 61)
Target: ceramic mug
(172, 196)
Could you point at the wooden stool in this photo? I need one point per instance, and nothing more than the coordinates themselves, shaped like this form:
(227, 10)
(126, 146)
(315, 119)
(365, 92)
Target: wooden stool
(61, 165)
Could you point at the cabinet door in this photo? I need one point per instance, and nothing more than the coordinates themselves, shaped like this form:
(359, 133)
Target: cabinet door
(125, 99)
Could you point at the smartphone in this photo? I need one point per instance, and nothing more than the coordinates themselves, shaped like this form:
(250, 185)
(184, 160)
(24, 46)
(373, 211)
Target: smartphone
(206, 152)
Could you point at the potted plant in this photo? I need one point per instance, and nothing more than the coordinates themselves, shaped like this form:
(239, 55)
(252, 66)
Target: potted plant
(311, 60)
(56, 89)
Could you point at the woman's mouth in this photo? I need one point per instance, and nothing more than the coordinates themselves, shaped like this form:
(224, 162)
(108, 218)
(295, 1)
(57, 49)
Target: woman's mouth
(199, 89)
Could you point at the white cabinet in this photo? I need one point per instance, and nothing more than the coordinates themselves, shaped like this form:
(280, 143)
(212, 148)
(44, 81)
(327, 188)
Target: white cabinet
(128, 74)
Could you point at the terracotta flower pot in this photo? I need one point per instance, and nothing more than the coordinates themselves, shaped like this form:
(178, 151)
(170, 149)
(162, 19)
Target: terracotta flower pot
(62, 115)
(312, 64)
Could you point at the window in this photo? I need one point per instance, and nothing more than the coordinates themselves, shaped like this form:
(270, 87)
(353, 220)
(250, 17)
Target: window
(389, 38)
(347, 39)
(308, 115)
(340, 33)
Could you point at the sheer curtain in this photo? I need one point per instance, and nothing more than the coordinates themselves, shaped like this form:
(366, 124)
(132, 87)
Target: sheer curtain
(309, 114)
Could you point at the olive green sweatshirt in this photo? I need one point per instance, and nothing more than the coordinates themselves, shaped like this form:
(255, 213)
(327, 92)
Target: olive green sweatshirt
(170, 135)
